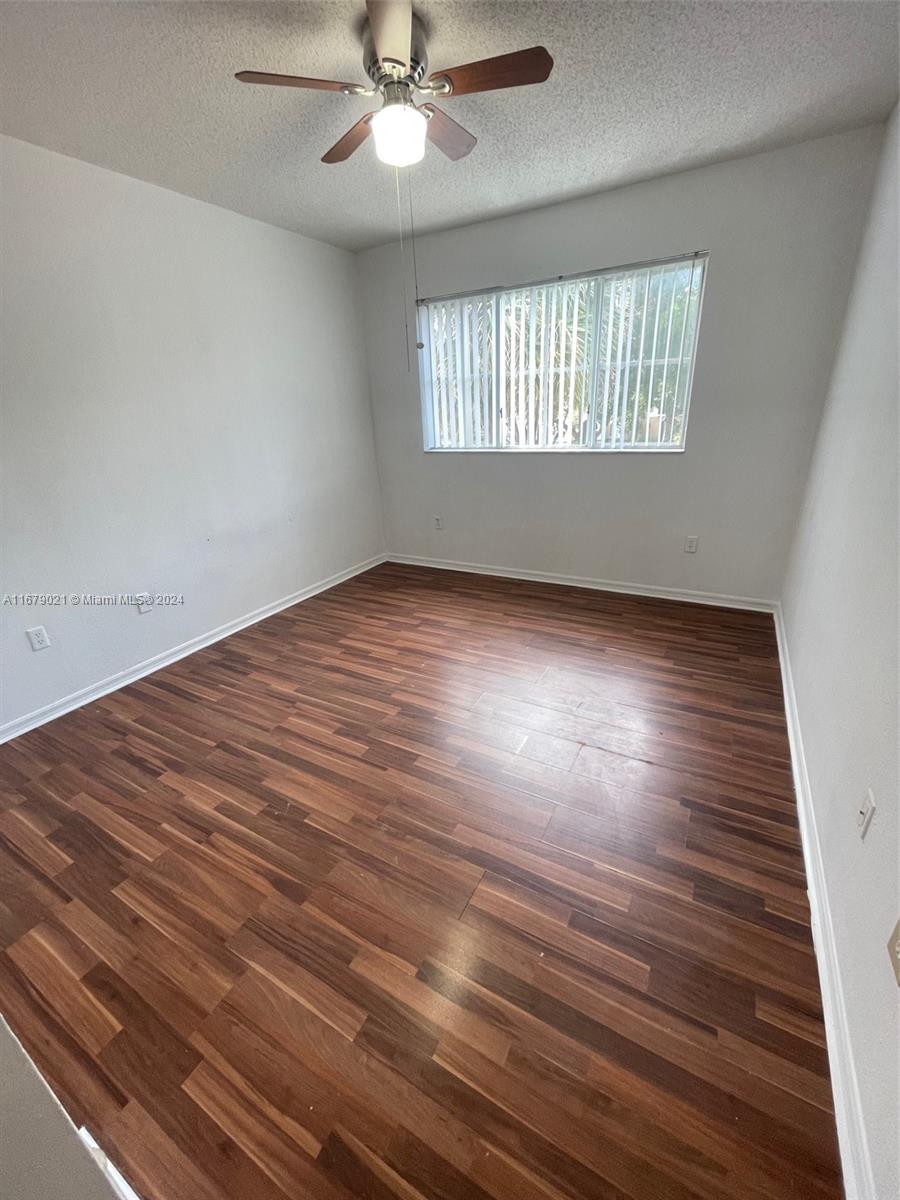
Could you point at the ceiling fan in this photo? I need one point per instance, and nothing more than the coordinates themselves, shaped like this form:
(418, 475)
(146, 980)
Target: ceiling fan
(396, 61)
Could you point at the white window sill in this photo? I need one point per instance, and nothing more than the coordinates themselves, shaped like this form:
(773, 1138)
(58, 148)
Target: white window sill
(554, 450)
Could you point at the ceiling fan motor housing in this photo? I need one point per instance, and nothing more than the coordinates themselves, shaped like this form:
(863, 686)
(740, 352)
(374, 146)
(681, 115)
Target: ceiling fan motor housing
(384, 72)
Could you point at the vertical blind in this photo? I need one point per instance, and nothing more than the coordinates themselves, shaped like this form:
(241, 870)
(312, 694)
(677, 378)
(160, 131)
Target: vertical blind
(600, 362)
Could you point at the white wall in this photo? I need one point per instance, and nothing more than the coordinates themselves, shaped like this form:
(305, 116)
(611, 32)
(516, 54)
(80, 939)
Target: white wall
(782, 230)
(42, 1158)
(185, 409)
(841, 626)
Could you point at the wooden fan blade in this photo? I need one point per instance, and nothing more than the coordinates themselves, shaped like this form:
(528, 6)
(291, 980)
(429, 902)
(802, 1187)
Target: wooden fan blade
(391, 24)
(352, 140)
(504, 71)
(448, 135)
(297, 81)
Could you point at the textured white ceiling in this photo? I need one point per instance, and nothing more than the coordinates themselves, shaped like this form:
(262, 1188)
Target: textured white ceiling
(639, 89)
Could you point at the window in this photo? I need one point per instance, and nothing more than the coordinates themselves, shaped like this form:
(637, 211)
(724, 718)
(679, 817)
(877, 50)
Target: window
(598, 362)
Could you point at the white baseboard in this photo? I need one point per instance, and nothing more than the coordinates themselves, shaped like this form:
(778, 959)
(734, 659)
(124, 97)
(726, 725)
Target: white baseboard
(94, 691)
(600, 585)
(859, 1182)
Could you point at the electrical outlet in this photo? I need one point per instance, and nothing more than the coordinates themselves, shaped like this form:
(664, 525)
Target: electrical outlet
(865, 813)
(691, 543)
(439, 522)
(894, 951)
(39, 637)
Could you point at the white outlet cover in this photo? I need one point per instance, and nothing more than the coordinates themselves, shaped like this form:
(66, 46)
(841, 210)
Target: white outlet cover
(39, 637)
(691, 544)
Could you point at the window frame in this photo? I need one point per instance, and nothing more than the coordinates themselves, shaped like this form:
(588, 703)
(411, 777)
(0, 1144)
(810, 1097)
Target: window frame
(426, 403)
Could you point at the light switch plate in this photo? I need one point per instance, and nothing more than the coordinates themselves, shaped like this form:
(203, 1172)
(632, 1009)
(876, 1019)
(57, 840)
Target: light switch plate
(865, 813)
(894, 951)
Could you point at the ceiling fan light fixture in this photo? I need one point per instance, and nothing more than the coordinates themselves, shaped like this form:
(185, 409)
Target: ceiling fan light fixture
(399, 132)
(395, 59)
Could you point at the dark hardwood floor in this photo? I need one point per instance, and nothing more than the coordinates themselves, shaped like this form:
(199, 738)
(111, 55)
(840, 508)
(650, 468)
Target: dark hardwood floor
(435, 885)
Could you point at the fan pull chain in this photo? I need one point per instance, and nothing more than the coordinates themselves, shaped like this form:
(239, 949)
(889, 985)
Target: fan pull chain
(412, 238)
(403, 268)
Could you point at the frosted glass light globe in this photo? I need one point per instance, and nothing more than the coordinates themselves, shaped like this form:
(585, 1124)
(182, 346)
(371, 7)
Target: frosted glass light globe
(399, 131)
